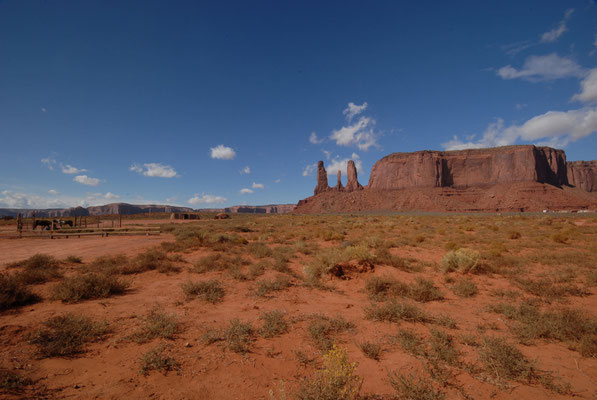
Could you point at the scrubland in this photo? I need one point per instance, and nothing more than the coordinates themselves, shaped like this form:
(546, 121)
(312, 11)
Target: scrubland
(312, 307)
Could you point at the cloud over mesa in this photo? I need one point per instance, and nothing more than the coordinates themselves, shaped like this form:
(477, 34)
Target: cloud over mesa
(86, 180)
(206, 199)
(154, 170)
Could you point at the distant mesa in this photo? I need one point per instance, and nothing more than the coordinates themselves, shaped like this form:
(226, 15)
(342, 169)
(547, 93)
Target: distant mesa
(510, 178)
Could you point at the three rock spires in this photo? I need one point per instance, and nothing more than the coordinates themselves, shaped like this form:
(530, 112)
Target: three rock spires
(322, 180)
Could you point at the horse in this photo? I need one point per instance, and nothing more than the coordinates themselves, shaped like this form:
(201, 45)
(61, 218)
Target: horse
(63, 222)
(44, 224)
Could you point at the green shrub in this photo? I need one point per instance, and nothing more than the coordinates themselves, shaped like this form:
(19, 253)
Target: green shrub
(65, 335)
(412, 387)
(336, 380)
(463, 260)
(88, 286)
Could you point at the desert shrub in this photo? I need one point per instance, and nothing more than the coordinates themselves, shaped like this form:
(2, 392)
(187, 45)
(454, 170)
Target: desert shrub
(109, 264)
(210, 291)
(218, 262)
(65, 335)
(378, 288)
(39, 268)
(273, 324)
(384, 257)
(152, 259)
(549, 289)
(370, 349)
(264, 287)
(463, 260)
(337, 379)
(414, 388)
(87, 287)
(393, 311)
(565, 324)
(325, 261)
(442, 347)
(259, 250)
(238, 337)
(410, 342)
(257, 269)
(465, 288)
(445, 321)
(321, 329)
(11, 382)
(15, 293)
(514, 235)
(156, 360)
(560, 237)
(157, 324)
(501, 360)
(74, 259)
(424, 290)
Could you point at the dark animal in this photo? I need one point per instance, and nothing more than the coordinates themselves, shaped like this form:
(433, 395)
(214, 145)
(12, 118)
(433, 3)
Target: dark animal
(69, 223)
(44, 224)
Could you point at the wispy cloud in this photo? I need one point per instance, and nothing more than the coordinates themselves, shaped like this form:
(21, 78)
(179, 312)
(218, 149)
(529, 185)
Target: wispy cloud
(555, 33)
(206, 199)
(154, 170)
(222, 152)
(11, 199)
(554, 128)
(86, 180)
(245, 170)
(543, 68)
(258, 186)
(309, 169)
(340, 164)
(49, 162)
(353, 110)
(313, 139)
(588, 88)
(245, 191)
(54, 192)
(70, 170)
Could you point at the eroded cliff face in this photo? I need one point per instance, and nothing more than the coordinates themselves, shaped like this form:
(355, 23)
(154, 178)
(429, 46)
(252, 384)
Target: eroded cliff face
(510, 178)
(467, 168)
(583, 174)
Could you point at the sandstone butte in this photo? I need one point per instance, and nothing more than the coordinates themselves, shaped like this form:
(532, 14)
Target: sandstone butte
(500, 179)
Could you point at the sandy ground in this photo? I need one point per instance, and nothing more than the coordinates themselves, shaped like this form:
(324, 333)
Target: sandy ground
(109, 369)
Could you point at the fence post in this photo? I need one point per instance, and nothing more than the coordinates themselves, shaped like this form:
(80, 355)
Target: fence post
(120, 220)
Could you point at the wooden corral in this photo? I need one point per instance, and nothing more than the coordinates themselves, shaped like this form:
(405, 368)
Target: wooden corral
(184, 216)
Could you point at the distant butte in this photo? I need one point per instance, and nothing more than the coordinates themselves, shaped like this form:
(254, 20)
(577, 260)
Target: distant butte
(510, 178)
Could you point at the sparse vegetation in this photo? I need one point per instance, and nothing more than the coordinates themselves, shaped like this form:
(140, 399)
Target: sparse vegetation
(322, 330)
(210, 291)
(274, 324)
(238, 337)
(37, 269)
(412, 387)
(157, 324)
(65, 335)
(465, 288)
(462, 260)
(156, 360)
(14, 293)
(393, 311)
(265, 286)
(87, 287)
(370, 349)
(336, 380)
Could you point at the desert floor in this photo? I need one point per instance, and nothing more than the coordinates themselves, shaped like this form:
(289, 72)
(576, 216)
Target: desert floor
(290, 306)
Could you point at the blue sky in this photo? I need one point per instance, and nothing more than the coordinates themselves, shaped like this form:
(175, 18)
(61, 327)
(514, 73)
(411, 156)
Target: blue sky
(222, 103)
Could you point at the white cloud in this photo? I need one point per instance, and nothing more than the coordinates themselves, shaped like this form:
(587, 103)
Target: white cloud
(111, 196)
(54, 192)
(86, 180)
(9, 199)
(327, 154)
(521, 106)
(245, 191)
(543, 68)
(154, 170)
(277, 180)
(49, 162)
(314, 139)
(555, 33)
(309, 169)
(359, 134)
(338, 164)
(555, 128)
(43, 109)
(70, 170)
(222, 152)
(206, 199)
(352, 110)
(245, 170)
(258, 185)
(588, 88)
